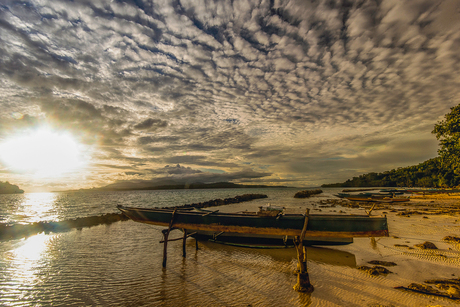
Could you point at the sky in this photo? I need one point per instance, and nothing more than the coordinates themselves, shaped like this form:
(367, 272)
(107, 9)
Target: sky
(295, 93)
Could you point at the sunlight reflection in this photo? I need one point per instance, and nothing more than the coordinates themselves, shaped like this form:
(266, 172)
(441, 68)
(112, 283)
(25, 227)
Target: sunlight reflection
(38, 207)
(26, 259)
(32, 248)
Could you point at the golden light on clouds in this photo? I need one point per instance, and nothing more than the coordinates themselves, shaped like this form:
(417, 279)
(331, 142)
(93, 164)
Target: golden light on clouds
(42, 153)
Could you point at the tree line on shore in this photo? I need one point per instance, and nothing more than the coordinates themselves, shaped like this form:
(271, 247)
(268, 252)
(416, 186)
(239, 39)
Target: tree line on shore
(442, 171)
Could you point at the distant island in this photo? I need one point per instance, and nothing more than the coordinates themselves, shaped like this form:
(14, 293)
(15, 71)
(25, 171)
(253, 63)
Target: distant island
(8, 188)
(146, 185)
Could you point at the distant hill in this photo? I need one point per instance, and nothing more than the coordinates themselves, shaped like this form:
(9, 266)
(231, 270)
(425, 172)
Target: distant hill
(172, 185)
(7, 188)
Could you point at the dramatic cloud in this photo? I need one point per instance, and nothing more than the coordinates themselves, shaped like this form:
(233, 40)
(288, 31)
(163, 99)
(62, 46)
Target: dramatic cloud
(296, 92)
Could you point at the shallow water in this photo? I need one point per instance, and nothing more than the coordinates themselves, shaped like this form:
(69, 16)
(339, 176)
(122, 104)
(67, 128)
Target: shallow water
(120, 265)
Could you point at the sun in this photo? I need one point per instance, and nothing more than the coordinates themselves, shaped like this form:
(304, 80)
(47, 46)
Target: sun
(42, 152)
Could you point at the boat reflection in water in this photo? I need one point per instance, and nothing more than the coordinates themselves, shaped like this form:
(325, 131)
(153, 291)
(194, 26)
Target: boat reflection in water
(286, 255)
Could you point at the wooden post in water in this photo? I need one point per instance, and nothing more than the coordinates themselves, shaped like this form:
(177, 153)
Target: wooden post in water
(166, 235)
(303, 280)
(183, 243)
(165, 245)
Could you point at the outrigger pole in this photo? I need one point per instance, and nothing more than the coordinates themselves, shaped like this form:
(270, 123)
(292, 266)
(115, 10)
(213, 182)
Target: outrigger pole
(166, 235)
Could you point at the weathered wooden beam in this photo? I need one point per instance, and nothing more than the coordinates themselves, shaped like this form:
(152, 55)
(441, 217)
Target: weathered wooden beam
(165, 236)
(165, 246)
(184, 239)
(177, 239)
(303, 280)
(372, 208)
(211, 212)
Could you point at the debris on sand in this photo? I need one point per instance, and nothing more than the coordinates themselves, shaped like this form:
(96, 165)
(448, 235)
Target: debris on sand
(452, 239)
(450, 288)
(426, 245)
(384, 263)
(401, 245)
(408, 213)
(375, 270)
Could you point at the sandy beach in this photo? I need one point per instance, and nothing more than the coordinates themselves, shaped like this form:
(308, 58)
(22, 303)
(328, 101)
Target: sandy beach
(413, 225)
(415, 265)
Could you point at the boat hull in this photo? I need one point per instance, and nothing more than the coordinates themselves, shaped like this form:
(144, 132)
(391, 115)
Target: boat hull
(318, 226)
(378, 200)
(257, 239)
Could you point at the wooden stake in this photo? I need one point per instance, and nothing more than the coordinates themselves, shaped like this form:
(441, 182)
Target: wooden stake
(166, 235)
(303, 280)
(183, 243)
(165, 246)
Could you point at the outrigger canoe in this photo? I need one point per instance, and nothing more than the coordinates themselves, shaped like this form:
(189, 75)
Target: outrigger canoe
(379, 200)
(322, 229)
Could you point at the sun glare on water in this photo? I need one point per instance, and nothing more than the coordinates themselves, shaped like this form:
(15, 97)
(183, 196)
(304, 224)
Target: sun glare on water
(43, 153)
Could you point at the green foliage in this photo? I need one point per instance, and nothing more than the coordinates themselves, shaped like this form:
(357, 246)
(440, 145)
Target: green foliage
(427, 174)
(447, 132)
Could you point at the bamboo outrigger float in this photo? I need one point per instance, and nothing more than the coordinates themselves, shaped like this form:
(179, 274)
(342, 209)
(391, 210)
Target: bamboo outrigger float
(302, 228)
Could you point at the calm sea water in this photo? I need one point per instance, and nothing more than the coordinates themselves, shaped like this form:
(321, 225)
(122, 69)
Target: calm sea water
(121, 264)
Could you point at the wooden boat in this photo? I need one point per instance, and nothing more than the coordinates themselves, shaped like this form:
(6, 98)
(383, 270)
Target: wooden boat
(358, 190)
(433, 191)
(364, 195)
(394, 191)
(322, 229)
(378, 199)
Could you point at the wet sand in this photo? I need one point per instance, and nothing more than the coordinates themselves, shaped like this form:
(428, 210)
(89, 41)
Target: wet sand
(120, 264)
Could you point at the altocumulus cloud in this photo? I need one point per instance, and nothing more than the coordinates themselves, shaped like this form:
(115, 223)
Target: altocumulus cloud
(290, 92)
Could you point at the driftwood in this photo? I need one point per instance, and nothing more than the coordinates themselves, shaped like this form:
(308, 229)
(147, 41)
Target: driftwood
(423, 289)
(303, 280)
